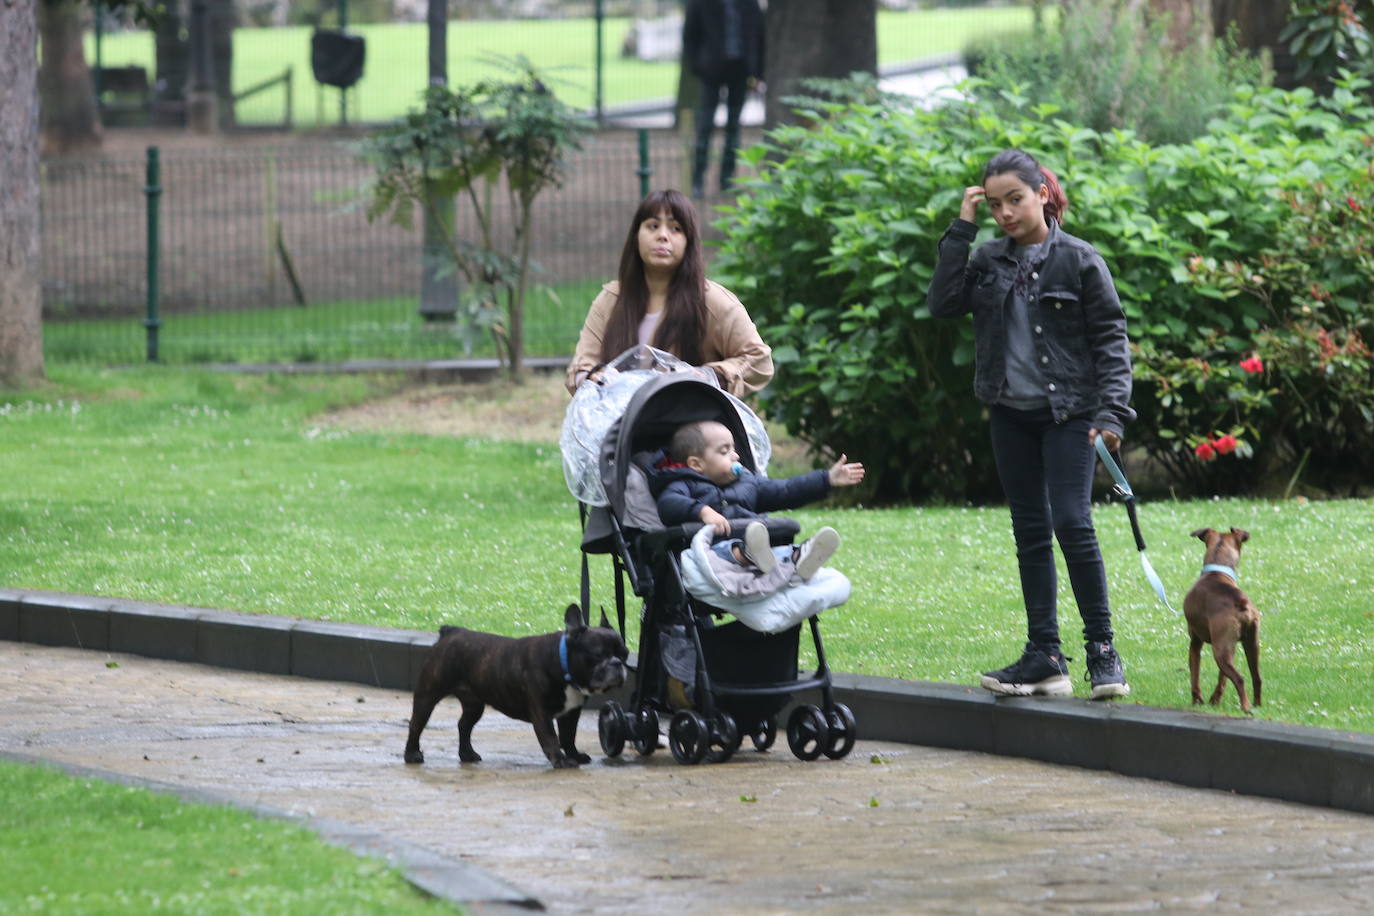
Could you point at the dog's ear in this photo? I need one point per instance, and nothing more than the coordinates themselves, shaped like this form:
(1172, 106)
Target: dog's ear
(605, 623)
(1241, 535)
(572, 617)
(1201, 534)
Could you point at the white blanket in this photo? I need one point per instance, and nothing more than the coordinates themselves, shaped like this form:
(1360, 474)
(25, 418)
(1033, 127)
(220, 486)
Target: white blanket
(794, 602)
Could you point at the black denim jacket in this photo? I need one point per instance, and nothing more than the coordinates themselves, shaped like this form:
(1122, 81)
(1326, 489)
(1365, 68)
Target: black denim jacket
(1080, 330)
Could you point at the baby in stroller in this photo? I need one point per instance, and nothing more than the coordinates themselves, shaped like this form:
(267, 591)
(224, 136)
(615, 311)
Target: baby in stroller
(699, 477)
(719, 681)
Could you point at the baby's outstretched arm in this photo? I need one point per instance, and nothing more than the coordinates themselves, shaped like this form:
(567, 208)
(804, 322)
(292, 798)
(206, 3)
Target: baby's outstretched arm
(846, 474)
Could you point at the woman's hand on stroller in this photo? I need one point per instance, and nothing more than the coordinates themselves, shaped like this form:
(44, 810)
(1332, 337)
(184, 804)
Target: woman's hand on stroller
(844, 473)
(717, 521)
(602, 374)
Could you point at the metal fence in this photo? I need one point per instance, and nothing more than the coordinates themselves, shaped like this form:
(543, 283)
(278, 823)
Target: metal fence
(245, 222)
(589, 60)
(236, 223)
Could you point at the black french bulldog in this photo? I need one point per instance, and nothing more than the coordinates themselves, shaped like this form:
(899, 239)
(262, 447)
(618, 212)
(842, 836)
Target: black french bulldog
(537, 679)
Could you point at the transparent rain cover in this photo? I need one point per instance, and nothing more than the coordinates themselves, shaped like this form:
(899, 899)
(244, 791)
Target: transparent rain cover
(595, 407)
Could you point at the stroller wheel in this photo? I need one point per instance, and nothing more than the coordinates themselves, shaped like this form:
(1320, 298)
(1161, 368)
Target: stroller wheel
(646, 731)
(610, 725)
(842, 731)
(807, 732)
(764, 734)
(688, 737)
(724, 739)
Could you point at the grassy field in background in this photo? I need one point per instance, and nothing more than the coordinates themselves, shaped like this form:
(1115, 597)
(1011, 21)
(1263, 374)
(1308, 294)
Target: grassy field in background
(76, 845)
(208, 489)
(322, 332)
(395, 72)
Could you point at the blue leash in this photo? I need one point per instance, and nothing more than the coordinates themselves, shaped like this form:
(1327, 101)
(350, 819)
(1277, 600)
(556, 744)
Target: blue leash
(1128, 495)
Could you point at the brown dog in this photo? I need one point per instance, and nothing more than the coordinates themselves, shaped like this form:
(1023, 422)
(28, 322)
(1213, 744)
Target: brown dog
(1218, 612)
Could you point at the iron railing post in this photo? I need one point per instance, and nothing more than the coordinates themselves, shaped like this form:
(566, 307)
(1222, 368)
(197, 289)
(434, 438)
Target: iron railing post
(153, 190)
(600, 93)
(644, 171)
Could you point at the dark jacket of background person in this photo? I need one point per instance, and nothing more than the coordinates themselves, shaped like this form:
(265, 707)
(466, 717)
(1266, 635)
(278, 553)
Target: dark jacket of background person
(680, 492)
(1080, 330)
(703, 38)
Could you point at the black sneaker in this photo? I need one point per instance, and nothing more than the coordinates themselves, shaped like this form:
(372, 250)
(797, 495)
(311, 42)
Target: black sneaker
(1104, 670)
(1038, 672)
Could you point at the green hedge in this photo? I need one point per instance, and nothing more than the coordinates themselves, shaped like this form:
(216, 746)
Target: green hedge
(835, 243)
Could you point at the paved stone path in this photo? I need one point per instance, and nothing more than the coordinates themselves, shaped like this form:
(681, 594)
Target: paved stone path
(890, 829)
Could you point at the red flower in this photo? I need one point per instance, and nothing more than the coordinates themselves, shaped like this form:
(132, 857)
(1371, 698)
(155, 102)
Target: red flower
(1252, 365)
(1354, 204)
(1225, 445)
(1205, 451)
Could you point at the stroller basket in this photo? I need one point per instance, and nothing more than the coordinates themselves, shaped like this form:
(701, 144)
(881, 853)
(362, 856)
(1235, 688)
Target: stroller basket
(745, 666)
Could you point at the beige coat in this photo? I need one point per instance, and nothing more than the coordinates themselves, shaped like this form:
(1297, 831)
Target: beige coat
(733, 347)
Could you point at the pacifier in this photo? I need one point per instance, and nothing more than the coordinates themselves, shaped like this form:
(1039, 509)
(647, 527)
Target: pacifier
(737, 469)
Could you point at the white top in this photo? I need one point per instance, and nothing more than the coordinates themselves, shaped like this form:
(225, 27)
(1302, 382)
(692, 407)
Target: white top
(647, 326)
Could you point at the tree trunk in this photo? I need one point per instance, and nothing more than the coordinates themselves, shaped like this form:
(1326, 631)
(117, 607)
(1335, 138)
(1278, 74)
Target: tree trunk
(1189, 20)
(71, 120)
(1257, 27)
(21, 328)
(222, 18)
(811, 38)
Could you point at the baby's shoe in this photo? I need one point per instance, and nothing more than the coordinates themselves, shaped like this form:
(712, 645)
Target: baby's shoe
(757, 548)
(813, 554)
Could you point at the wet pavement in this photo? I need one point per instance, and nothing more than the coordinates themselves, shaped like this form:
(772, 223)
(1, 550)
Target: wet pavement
(892, 828)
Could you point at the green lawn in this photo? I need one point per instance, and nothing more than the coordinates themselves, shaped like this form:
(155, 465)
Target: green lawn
(192, 487)
(76, 845)
(395, 72)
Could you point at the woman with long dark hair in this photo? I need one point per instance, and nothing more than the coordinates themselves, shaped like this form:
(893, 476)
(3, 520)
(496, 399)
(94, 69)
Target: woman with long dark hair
(1053, 365)
(662, 298)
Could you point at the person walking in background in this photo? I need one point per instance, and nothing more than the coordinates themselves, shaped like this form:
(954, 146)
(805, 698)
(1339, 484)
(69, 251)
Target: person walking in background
(1053, 365)
(663, 299)
(722, 45)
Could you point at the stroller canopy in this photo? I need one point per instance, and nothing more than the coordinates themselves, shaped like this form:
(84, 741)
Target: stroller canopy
(646, 395)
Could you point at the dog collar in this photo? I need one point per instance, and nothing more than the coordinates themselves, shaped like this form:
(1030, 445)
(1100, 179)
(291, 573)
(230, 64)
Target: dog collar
(563, 657)
(1224, 570)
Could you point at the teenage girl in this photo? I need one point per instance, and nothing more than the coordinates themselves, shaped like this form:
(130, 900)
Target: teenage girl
(1054, 367)
(663, 298)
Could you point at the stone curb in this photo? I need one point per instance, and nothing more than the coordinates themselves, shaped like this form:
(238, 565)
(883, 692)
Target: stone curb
(1290, 762)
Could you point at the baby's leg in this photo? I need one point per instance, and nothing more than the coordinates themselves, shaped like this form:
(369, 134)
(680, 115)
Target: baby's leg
(731, 549)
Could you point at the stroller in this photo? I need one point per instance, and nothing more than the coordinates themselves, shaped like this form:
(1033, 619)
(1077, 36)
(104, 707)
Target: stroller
(717, 681)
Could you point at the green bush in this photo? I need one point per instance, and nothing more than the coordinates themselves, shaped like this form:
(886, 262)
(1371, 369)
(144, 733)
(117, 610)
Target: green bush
(1115, 69)
(1325, 36)
(835, 244)
(1310, 355)
(833, 250)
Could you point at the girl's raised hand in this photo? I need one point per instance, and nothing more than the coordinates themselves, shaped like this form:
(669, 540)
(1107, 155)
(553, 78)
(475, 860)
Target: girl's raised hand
(968, 209)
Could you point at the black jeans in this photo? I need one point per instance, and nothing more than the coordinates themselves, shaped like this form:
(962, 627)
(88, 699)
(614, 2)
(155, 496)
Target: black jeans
(734, 79)
(1046, 469)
